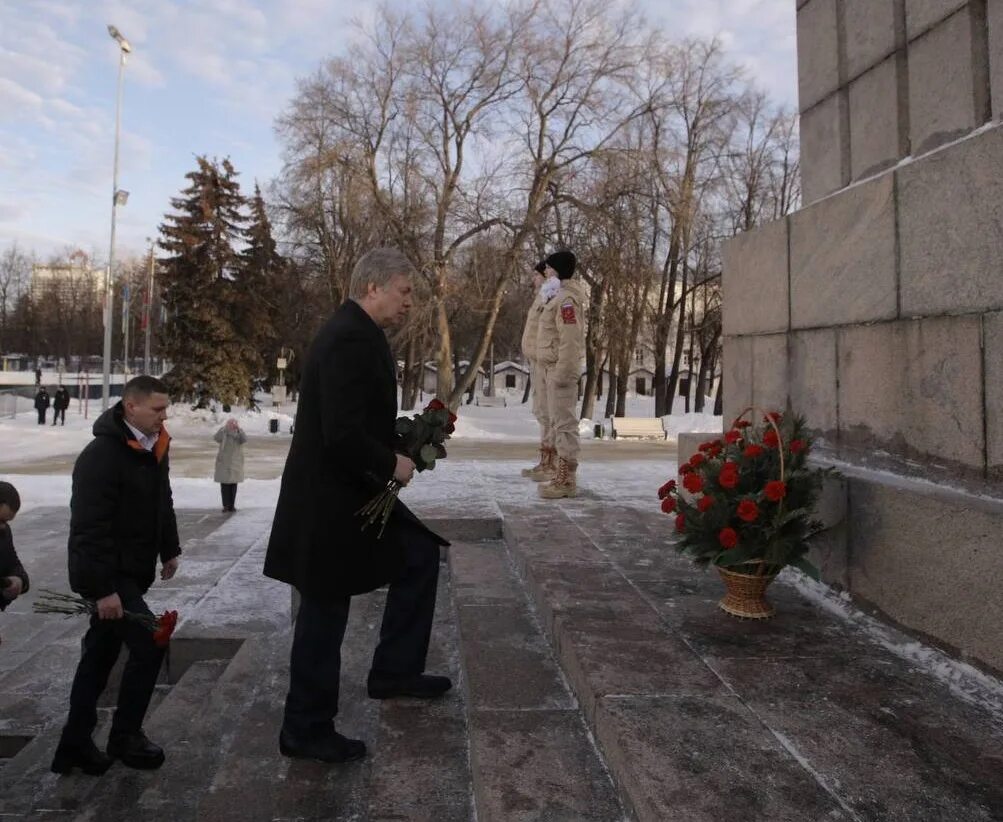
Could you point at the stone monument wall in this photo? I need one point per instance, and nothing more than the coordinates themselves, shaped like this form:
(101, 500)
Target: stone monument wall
(877, 309)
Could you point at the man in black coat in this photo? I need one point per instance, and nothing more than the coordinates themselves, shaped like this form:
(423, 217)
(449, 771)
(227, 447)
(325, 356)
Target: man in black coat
(60, 402)
(121, 522)
(342, 454)
(42, 403)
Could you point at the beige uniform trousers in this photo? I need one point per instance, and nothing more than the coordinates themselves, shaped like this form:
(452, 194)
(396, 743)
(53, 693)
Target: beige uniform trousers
(541, 409)
(562, 406)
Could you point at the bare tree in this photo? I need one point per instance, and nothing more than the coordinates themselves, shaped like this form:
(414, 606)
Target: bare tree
(15, 270)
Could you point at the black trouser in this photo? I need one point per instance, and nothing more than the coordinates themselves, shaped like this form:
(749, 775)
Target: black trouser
(101, 646)
(315, 661)
(229, 492)
(57, 413)
(41, 416)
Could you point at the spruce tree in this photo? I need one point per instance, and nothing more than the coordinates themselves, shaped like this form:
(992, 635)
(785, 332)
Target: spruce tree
(255, 306)
(199, 282)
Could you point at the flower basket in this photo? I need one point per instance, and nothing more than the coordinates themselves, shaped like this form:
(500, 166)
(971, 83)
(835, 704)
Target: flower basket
(745, 591)
(745, 506)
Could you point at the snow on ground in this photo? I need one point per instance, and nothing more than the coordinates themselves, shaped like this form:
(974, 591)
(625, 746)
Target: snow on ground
(629, 482)
(22, 439)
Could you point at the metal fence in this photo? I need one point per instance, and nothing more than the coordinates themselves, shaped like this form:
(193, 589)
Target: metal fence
(13, 402)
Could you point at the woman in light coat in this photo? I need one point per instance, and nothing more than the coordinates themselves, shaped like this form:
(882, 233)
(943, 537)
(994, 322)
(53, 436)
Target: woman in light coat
(229, 462)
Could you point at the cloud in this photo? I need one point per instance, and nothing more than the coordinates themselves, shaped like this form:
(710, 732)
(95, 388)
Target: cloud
(14, 97)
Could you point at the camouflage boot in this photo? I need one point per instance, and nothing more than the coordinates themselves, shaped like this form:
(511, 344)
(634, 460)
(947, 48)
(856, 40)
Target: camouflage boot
(544, 469)
(564, 484)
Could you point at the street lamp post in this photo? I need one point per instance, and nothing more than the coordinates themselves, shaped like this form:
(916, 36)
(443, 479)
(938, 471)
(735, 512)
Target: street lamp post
(117, 198)
(148, 314)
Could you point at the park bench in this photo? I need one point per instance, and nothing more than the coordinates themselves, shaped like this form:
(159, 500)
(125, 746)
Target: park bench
(491, 402)
(642, 427)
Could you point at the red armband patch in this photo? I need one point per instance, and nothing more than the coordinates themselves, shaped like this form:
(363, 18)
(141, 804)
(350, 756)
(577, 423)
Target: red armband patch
(568, 313)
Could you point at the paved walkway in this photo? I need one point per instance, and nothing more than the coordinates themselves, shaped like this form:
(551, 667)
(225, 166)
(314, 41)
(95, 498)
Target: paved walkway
(596, 680)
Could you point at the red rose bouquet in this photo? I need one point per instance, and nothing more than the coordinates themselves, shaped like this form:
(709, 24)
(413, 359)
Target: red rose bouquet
(53, 602)
(420, 437)
(749, 497)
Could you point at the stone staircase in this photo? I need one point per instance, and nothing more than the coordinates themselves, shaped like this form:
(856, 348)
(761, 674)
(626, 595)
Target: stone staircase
(595, 680)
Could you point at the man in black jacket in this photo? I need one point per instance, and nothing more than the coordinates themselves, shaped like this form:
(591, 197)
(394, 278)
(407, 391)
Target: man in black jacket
(121, 521)
(60, 402)
(342, 454)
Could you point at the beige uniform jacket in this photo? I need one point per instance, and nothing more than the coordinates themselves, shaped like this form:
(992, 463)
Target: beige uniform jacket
(560, 341)
(529, 332)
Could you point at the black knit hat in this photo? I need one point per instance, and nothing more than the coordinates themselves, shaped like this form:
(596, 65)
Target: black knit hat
(563, 262)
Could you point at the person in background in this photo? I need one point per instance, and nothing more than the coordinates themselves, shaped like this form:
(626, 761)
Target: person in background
(546, 467)
(60, 402)
(560, 353)
(13, 577)
(42, 403)
(229, 462)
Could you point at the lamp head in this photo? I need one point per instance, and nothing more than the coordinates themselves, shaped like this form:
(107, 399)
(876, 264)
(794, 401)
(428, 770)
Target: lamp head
(122, 42)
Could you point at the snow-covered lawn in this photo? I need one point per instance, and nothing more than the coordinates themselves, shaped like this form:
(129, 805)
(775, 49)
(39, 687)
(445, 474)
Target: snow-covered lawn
(23, 441)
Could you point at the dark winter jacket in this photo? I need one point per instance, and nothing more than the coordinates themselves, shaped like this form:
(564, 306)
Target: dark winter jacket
(341, 456)
(10, 565)
(121, 511)
(42, 401)
(62, 399)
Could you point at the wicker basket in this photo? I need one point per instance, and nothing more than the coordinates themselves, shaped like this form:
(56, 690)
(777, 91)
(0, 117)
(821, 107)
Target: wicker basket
(745, 593)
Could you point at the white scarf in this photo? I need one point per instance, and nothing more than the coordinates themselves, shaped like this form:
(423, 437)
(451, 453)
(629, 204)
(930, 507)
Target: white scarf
(549, 288)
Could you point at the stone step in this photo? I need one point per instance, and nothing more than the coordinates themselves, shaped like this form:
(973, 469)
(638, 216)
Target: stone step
(532, 756)
(417, 765)
(704, 717)
(27, 782)
(172, 720)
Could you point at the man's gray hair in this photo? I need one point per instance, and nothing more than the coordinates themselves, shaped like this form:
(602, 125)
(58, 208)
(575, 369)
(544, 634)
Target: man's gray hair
(378, 267)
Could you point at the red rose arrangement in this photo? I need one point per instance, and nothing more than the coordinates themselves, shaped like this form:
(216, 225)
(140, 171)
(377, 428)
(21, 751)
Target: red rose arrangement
(748, 496)
(421, 438)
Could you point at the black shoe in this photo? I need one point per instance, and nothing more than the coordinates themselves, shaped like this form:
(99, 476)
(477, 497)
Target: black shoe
(421, 686)
(135, 750)
(87, 756)
(330, 748)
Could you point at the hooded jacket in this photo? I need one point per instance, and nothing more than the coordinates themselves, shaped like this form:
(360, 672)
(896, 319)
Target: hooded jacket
(560, 340)
(121, 511)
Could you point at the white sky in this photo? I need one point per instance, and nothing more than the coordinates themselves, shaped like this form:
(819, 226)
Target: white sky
(210, 78)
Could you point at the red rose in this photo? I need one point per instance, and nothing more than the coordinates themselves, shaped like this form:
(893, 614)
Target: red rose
(680, 523)
(693, 483)
(775, 490)
(748, 510)
(166, 623)
(728, 478)
(697, 459)
(797, 446)
(741, 424)
(752, 451)
(775, 416)
(733, 436)
(770, 439)
(668, 505)
(684, 469)
(728, 537)
(705, 446)
(704, 504)
(667, 489)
